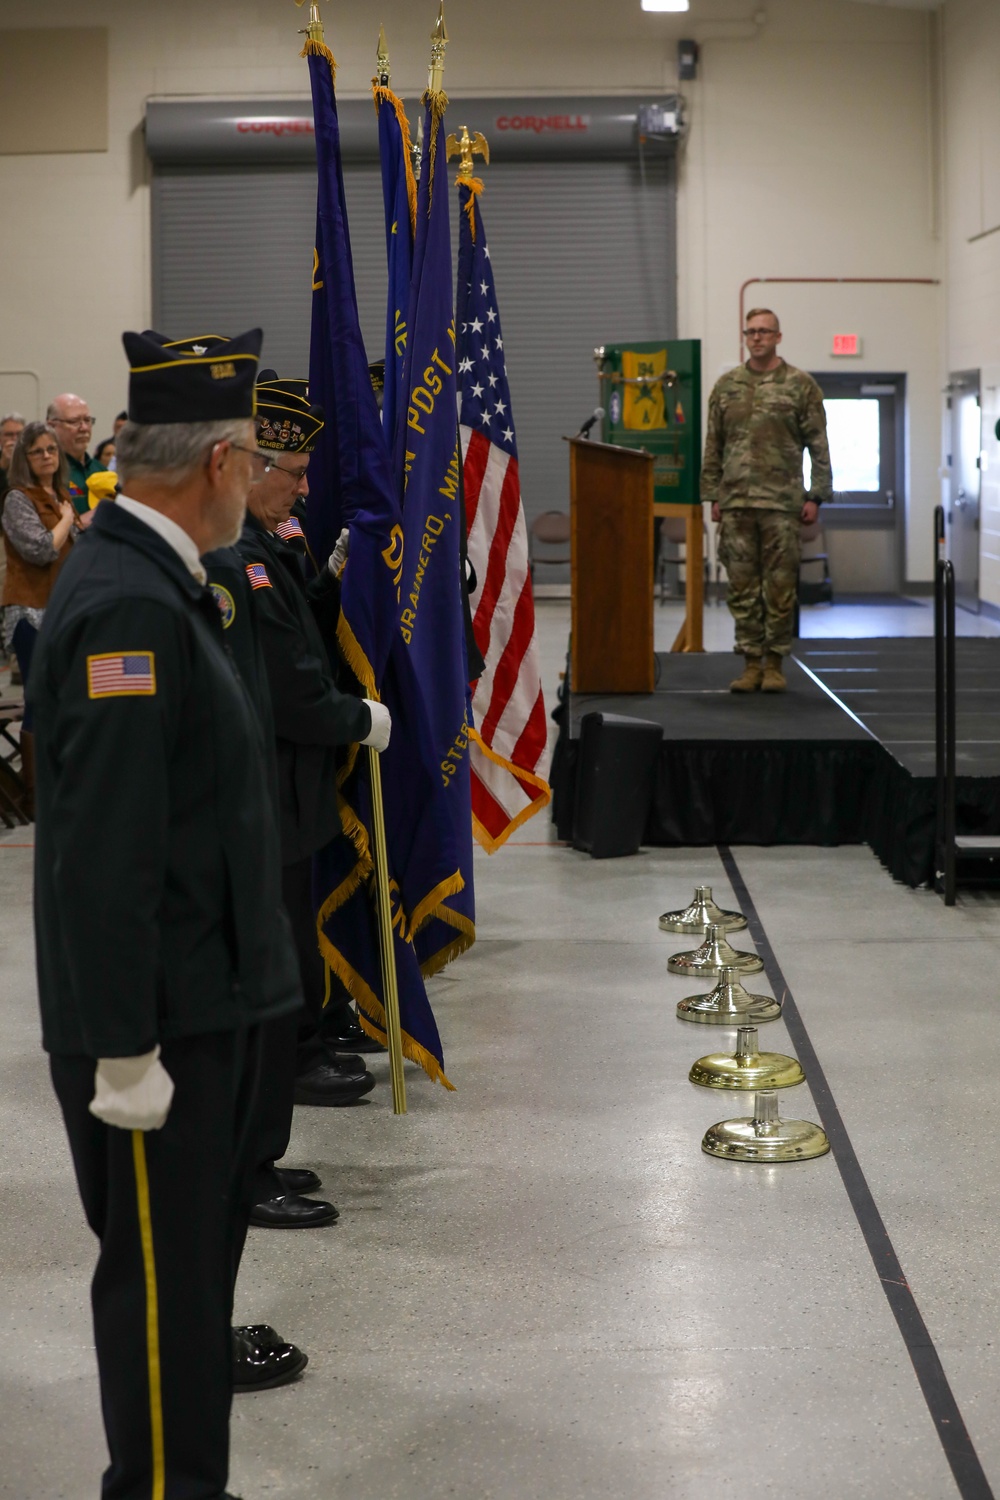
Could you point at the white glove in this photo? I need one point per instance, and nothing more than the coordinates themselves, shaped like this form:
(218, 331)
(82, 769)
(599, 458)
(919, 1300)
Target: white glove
(378, 735)
(338, 557)
(133, 1093)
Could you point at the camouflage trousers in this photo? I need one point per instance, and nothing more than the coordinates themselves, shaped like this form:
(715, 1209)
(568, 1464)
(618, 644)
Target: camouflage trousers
(760, 551)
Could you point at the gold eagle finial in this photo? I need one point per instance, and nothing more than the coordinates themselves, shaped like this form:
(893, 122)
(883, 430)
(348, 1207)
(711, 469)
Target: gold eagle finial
(465, 147)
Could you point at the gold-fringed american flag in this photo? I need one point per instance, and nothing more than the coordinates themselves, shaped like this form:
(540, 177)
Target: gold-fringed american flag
(510, 734)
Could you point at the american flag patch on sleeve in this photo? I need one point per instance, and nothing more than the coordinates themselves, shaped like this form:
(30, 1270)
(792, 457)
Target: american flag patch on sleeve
(257, 574)
(288, 529)
(121, 674)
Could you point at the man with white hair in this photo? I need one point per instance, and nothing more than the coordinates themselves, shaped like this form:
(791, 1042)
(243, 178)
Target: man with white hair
(161, 941)
(70, 416)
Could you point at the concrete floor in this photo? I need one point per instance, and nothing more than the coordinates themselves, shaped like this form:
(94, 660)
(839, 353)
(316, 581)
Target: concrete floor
(540, 1286)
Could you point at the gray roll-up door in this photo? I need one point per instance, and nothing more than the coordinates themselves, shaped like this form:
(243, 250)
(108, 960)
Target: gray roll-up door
(584, 253)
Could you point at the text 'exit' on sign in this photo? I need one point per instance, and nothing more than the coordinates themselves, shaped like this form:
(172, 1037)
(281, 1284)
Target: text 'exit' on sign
(846, 343)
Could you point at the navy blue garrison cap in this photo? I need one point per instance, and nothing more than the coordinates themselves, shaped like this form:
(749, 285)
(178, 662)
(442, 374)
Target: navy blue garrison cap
(204, 379)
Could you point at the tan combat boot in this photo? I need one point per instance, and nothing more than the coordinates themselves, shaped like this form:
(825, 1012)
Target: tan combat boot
(750, 679)
(774, 677)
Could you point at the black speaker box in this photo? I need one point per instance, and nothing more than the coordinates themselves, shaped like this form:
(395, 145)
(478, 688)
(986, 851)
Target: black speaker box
(616, 773)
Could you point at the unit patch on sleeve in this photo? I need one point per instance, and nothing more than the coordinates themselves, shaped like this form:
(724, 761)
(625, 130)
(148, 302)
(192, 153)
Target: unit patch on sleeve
(121, 674)
(226, 603)
(257, 574)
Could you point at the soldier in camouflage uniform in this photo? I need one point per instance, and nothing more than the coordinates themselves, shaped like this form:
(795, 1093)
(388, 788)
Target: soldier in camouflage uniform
(761, 416)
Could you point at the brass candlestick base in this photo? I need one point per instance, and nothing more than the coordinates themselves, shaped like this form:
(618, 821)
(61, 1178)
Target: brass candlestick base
(700, 915)
(765, 1136)
(729, 1004)
(747, 1068)
(713, 956)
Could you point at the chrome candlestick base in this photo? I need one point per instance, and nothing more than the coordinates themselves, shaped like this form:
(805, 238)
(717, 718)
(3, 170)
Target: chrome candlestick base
(765, 1136)
(700, 915)
(713, 956)
(729, 1004)
(747, 1068)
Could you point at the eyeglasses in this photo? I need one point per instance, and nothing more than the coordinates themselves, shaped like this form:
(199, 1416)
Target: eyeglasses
(260, 463)
(43, 452)
(760, 333)
(78, 422)
(295, 475)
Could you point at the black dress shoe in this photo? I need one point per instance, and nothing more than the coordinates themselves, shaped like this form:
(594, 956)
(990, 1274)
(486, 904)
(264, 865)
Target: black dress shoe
(262, 1366)
(298, 1180)
(292, 1212)
(333, 1083)
(349, 1036)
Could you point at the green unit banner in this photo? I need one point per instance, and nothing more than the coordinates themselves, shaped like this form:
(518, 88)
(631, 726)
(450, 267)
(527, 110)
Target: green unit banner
(651, 395)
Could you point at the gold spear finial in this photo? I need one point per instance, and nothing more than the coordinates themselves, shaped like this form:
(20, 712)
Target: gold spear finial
(383, 71)
(314, 31)
(439, 42)
(465, 147)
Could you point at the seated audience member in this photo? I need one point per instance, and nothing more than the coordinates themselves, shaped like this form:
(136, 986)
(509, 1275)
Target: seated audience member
(70, 416)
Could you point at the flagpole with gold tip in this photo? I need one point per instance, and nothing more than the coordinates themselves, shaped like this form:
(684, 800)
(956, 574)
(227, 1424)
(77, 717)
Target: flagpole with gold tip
(439, 44)
(315, 39)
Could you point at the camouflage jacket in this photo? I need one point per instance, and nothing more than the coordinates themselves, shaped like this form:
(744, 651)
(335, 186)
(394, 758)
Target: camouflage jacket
(758, 427)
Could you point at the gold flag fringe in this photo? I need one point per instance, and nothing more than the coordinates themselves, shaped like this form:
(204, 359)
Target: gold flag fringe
(438, 102)
(382, 96)
(485, 839)
(320, 49)
(475, 186)
(366, 997)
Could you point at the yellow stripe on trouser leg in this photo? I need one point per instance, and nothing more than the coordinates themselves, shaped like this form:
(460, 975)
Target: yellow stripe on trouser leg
(152, 1314)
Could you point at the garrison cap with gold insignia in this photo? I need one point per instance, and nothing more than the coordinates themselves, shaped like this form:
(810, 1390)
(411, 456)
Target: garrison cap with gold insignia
(287, 421)
(203, 379)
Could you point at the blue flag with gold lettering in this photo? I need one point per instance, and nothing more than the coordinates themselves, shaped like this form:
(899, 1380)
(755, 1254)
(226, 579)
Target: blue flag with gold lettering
(351, 484)
(428, 459)
(399, 194)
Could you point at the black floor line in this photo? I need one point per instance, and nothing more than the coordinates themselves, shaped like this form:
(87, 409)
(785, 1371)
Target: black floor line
(948, 1421)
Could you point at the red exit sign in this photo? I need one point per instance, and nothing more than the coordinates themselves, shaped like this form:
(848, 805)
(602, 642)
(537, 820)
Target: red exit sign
(846, 343)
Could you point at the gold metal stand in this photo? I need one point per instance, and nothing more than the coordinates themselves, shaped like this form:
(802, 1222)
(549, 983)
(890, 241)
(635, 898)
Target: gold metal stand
(713, 956)
(393, 1029)
(700, 915)
(765, 1136)
(729, 1004)
(747, 1068)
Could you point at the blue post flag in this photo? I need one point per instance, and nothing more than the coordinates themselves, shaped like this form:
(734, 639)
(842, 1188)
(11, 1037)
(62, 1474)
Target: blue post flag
(351, 484)
(428, 462)
(399, 193)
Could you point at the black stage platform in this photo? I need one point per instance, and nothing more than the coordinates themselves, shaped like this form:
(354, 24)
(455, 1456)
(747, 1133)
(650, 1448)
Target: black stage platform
(845, 756)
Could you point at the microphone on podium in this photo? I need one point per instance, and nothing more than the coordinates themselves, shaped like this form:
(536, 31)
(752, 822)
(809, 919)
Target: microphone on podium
(594, 418)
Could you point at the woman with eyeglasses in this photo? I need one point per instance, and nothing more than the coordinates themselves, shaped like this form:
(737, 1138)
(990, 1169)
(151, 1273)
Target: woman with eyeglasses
(38, 525)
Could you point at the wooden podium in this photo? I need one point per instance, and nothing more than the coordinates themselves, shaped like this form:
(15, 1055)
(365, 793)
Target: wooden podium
(611, 526)
(611, 545)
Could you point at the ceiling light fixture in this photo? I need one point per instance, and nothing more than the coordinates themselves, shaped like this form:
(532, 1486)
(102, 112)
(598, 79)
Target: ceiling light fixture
(675, 5)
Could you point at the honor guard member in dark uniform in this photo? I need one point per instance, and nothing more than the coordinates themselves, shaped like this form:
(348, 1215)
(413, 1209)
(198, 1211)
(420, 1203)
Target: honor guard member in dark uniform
(312, 718)
(162, 946)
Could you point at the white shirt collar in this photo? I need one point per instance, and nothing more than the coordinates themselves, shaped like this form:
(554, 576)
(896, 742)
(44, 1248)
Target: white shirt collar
(171, 533)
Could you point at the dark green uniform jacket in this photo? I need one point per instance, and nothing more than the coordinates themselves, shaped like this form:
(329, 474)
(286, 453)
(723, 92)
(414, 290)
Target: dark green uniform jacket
(311, 716)
(157, 880)
(79, 471)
